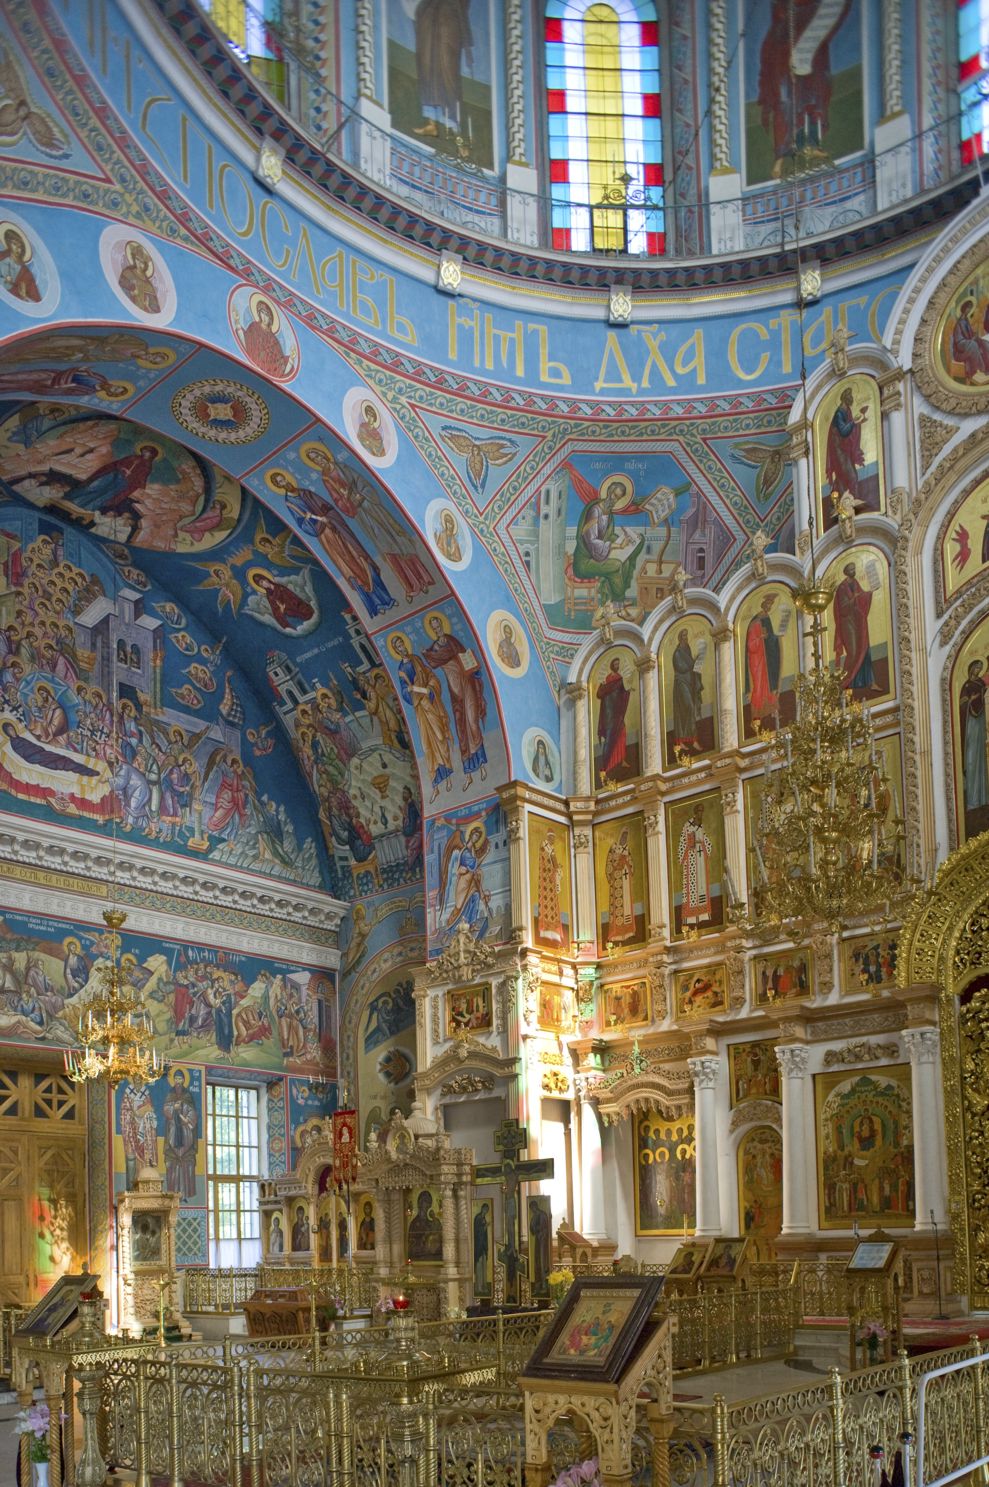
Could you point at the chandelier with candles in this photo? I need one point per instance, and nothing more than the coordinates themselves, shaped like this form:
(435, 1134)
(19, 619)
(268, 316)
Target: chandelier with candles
(115, 1030)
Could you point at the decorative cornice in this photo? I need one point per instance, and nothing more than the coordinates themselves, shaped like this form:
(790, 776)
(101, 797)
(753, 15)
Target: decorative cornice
(862, 1052)
(756, 1113)
(466, 1053)
(51, 869)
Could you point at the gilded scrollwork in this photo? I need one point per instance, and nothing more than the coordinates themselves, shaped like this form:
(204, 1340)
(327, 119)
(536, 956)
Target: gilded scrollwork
(935, 433)
(756, 1113)
(861, 1052)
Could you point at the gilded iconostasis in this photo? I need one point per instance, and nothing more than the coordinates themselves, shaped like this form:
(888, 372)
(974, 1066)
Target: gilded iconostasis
(418, 656)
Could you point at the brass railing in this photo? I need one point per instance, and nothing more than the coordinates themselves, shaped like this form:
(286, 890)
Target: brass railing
(224, 1292)
(718, 1328)
(9, 1318)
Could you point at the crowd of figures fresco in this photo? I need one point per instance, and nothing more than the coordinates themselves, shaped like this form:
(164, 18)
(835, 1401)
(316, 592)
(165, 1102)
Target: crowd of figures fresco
(117, 700)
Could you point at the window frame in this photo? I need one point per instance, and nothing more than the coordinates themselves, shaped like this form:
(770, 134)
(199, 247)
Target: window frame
(245, 1156)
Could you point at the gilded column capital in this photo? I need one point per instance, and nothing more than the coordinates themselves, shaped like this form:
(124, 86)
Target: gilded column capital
(793, 1059)
(922, 1044)
(645, 664)
(576, 691)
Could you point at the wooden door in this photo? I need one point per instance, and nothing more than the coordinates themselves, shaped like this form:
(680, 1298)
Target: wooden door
(42, 1180)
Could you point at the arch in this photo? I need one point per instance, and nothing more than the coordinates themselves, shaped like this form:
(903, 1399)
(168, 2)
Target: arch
(943, 951)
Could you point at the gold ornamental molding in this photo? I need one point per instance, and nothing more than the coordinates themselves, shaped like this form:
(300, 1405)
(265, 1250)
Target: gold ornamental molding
(944, 944)
(951, 398)
(466, 1053)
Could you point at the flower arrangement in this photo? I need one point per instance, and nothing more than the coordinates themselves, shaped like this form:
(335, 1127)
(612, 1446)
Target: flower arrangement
(871, 1334)
(581, 1474)
(35, 1422)
(561, 1277)
(385, 1304)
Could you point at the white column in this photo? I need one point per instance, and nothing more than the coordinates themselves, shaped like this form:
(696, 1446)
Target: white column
(518, 879)
(651, 722)
(727, 716)
(583, 878)
(593, 1221)
(655, 873)
(704, 1072)
(922, 1045)
(793, 1060)
(577, 693)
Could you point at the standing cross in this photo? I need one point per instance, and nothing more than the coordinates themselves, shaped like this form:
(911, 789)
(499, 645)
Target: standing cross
(509, 1139)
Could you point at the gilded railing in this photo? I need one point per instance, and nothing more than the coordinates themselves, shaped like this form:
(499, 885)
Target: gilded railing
(727, 1326)
(225, 1291)
(9, 1318)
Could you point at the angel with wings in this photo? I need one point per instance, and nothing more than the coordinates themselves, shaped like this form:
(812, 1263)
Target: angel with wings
(221, 577)
(280, 550)
(479, 454)
(463, 896)
(20, 115)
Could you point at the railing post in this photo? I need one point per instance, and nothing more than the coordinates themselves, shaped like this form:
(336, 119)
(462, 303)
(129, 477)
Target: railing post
(231, 1374)
(732, 1327)
(500, 1346)
(705, 1329)
(720, 1441)
(143, 1477)
(980, 1408)
(253, 1427)
(758, 1322)
(174, 1425)
(91, 1471)
(430, 1448)
(345, 1458)
(839, 1473)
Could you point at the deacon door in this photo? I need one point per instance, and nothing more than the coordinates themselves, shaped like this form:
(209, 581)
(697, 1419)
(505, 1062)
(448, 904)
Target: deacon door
(42, 1180)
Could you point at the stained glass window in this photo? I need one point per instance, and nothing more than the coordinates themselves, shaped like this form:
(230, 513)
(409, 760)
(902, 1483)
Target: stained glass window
(251, 28)
(605, 126)
(973, 77)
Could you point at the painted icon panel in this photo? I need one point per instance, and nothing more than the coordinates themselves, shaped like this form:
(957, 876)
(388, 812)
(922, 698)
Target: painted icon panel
(620, 881)
(665, 1186)
(967, 691)
(858, 623)
(550, 892)
(753, 1072)
(695, 838)
(760, 1184)
(689, 688)
(848, 445)
(615, 713)
(965, 541)
(767, 659)
(865, 1169)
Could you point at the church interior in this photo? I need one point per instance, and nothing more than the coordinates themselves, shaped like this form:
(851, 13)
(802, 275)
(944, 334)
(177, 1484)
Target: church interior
(494, 772)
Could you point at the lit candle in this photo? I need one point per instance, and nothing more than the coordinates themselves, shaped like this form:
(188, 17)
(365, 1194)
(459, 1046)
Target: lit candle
(401, 1303)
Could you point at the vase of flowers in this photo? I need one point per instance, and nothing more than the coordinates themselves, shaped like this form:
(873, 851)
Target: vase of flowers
(871, 1336)
(34, 1422)
(581, 1474)
(559, 1282)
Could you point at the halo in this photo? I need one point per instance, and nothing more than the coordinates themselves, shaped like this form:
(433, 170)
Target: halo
(164, 356)
(436, 614)
(370, 407)
(133, 243)
(71, 944)
(477, 826)
(398, 635)
(623, 480)
(175, 1072)
(256, 299)
(254, 574)
(8, 226)
(124, 390)
(147, 444)
(315, 455)
(269, 479)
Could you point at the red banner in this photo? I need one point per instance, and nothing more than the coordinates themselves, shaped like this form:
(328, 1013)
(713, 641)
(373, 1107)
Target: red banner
(344, 1146)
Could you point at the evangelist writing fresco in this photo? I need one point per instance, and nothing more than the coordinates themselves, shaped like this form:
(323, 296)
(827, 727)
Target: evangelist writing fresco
(665, 1175)
(865, 1148)
(206, 1005)
(804, 104)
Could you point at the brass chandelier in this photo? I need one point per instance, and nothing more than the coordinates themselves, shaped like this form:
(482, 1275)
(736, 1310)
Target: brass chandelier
(828, 846)
(115, 1030)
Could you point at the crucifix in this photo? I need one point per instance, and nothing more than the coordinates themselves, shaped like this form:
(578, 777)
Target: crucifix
(510, 1139)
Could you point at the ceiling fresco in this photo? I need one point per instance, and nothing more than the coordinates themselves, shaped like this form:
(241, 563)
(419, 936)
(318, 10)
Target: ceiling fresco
(169, 645)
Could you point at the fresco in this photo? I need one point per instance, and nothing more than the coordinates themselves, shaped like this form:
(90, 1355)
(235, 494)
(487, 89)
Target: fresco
(137, 274)
(467, 874)
(385, 1061)
(507, 643)
(700, 991)
(370, 426)
(620, 882)
(550, 892)
(542, 758)
(859, 632)
(28, 277)
(753, 1072)
(449, 535)
(868, 963)
(803, 88)
(263, 333)
(695, 837)
(965, 541)
(439, 76)
(626, 1004)
(848, 447)
(784, 973)
(689, 690)
(205, 1005)
(665, 1175)
(615, 716)
(760, 1185)
(308, 1098)
(967, 693)
(961, 350)
(163, 1126)
(865, 1171)
(767, 660)
(116, 479)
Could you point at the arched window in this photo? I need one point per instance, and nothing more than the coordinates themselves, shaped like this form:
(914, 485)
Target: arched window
(605, 126)
(250, 28)
(973, 77)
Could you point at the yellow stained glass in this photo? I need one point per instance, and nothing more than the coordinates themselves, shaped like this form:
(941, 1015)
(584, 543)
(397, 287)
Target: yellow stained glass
(605, 120)
(230, 17)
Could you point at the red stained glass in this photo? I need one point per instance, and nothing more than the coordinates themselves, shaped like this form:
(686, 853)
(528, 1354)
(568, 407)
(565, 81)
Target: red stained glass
(649, 31)
(559, 170)
(554, 29)
(656, 242)
(556, 101)
(651, 107)
(652, 175)
(561, 239)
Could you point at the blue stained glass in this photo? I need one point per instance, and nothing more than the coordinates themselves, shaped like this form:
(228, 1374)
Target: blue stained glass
(556, 77)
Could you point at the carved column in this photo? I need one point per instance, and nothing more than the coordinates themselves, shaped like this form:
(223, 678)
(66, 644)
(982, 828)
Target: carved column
(892, 69)
(515, 81)
(518, 877)
(717, 21)
(922, 1045)
(652, 727)
(364, 26)
(655, 872)
(593, 1217)
(583, 874)
(734, 842)
(704, 1073)
(799, 455)
(448, 1220)
(577, 694)
(793, 1060)
(382, 1234)
(727, 717)
(896, 443)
